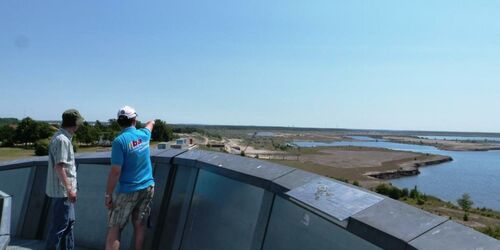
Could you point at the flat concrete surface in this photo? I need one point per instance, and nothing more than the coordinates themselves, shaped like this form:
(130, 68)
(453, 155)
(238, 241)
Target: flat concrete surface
(253, 167)
(452, 235)
(392, 224)
(294, 179)
(335, 199)
(20, 244)
(398, 219)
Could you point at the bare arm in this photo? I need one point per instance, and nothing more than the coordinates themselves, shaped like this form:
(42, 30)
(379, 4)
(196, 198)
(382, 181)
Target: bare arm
(150, 125)
(113, 177)
(61, 173)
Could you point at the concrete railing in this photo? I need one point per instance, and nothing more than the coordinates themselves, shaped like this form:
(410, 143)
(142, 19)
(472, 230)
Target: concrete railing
(207, 200)
(5, 209)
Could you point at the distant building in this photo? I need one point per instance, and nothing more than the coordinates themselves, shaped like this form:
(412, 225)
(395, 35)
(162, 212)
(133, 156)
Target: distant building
(181, 143)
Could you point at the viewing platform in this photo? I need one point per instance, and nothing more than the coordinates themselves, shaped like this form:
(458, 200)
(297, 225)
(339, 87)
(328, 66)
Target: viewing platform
(210, 200)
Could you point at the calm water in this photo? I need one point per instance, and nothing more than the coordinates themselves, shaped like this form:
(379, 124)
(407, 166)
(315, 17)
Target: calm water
(461, 138)
(476, 173)
(362, 138)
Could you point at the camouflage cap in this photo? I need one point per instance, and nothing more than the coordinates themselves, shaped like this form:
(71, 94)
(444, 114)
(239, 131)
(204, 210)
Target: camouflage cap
(71, 118)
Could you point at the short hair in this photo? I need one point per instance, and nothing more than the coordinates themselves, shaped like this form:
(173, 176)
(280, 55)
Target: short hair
(125, 122)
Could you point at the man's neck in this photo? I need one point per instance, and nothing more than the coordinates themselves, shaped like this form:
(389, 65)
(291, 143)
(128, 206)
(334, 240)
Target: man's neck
(70, 130)
(131, 126)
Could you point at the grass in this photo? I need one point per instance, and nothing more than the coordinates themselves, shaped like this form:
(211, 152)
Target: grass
(14, 153)
(7, 154)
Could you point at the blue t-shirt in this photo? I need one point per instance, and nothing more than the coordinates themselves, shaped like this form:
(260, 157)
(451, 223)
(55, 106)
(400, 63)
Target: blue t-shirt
(131, 152)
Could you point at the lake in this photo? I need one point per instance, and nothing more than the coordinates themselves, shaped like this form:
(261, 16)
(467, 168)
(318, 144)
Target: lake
(475, 173)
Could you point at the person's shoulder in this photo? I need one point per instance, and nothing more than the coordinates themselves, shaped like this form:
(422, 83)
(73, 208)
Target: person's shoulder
(144, 130)
(119, 138)
(60, 138)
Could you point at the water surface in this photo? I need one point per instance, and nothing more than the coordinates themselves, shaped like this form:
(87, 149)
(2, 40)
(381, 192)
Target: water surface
(475, 173)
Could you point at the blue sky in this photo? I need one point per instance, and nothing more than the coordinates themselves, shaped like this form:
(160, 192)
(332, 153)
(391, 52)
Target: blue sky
(421, 65)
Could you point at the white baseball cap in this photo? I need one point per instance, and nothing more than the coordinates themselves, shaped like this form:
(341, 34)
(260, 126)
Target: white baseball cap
(127, 111)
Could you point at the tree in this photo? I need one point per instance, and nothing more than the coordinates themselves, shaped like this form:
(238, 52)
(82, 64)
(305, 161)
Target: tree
(42, 147)
(7, 134)
(44, 130)
(465, 202)
(29, 131)
(161, 131)
(87, 134)
(8, 121)
(139, 125)
(98, 126)
(114, 126)
(26, 131)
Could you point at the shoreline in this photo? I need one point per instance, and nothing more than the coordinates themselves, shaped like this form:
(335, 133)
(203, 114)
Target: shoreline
(443, 144)
(410, 168)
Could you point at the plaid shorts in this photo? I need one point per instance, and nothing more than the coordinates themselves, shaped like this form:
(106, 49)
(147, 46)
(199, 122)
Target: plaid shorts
(126, 203)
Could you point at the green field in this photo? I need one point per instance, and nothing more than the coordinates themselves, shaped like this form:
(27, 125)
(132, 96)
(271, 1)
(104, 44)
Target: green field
(7, 154)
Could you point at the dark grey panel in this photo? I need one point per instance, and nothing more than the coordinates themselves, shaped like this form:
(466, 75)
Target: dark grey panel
(293, 227)
(293, 179)
(334, 198)
(451, 235)
(37, 205)
(40, 161)
(15, 182)
(189, 158)
(391, 224)
(252, 171)
(224, 214)
(5, 213)
(4, 241)
(22, 163)
(165, 155)
(262, 220)
(161, 176)
(103, 158)
(91, 214)
(23, 244)
(177, 208)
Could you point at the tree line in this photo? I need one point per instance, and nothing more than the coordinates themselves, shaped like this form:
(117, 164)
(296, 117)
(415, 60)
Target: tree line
(28, 131)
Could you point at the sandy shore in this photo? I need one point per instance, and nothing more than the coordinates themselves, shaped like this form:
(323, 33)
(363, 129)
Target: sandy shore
(367, 165)
(444, 144)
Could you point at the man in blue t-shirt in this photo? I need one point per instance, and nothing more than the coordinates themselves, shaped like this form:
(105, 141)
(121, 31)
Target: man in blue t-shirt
(131, 169)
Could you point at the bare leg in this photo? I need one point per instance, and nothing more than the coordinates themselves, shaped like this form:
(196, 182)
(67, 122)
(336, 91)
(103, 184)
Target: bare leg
(139, 228)
(113, 238)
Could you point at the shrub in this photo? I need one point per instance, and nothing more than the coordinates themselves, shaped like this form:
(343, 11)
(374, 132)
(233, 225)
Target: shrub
(355, 183)
(493, 231)
(414, 194)
(388, 190)
(42, 147)
(466, 217)
(394, 193)
(405, 192)
(382, 189)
